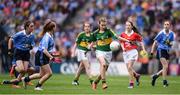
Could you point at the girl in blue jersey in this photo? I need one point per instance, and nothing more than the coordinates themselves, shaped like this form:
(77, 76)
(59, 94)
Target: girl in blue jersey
(23, 42)
(43, 56)
(164, 41)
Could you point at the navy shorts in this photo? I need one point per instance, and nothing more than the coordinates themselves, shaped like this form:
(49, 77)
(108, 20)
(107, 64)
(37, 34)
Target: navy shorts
(41, 59)
(21, 55)
(162, 53)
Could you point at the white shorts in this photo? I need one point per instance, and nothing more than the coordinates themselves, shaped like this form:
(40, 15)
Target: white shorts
(105, 54)
(81, 55)
(130, 56)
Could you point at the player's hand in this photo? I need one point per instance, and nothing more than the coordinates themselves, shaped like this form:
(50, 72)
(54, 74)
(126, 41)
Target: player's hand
(167, 42)
(144, 53)
(93, 48)
(10, 52)
(151, 56)
(72, 55)
(51, 59)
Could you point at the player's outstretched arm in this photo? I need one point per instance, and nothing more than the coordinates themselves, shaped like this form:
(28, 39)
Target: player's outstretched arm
(153, 47)
(73, 50)
(123, 39)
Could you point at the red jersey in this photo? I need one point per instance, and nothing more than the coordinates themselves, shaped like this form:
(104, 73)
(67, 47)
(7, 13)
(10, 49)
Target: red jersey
(132, 37)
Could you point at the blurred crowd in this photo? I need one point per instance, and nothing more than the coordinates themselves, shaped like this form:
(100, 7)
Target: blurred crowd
(147, 15)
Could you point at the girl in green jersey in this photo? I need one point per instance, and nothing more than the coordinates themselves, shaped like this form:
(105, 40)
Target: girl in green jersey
(103, 37)
(83, 44)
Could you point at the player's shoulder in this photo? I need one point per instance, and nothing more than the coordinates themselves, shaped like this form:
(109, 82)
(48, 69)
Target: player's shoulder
(136, 34)
(160, 33)
(20, 32)
(108, 29)
(122, 34)
(172, 32)
(95, 31)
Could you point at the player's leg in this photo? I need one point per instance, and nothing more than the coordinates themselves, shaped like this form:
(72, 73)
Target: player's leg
(88, 71)
(30, 71)
(27, 79)
(162, 55)
(137, 77)
(131, 75)
(78, 73)
(164, 63)
(20, 69)
(48, 73)
(103, 68)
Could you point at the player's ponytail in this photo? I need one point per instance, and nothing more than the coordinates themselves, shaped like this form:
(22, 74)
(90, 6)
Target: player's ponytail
(41, 34)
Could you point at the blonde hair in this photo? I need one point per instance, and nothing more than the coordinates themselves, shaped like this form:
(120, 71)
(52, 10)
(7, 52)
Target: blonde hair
(102, 19)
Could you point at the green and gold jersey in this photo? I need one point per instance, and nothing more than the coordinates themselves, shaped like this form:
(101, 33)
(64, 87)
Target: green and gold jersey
(83, 41)
(104, 39)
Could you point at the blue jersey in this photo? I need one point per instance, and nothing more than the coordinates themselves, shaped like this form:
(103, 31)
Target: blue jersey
(23, 41)
(164, 39)
(47, 42)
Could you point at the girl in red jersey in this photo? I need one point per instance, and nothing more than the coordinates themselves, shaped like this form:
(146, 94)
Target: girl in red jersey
(130, 53)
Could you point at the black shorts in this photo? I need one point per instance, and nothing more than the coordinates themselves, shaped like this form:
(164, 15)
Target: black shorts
(41, 59)
(162, 53)
(21, 55)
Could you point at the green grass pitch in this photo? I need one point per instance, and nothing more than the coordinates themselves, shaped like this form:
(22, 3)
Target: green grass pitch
(61, 84)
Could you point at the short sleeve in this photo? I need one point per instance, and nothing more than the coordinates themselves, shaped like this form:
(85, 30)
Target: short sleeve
(158, 37)
(172, 38)
(121, 35)
(16, 35)
(139, 37)
(78, 38)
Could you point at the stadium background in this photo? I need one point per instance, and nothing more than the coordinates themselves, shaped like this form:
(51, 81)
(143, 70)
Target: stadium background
(147, 15)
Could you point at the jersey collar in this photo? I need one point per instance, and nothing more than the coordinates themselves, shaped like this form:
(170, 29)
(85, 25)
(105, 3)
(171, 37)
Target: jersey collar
(24, 31)
(166, 33)
(129, 34)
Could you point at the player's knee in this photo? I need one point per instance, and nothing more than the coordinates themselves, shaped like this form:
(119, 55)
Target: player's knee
(129, 68)
(165, 66)
(41, 75)
(50, 74)
(105, 65)
(21, 70)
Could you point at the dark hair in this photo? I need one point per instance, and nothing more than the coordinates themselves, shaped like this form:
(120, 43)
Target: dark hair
(167, 20)
(27, 23)
(134, 28)
(47, 27)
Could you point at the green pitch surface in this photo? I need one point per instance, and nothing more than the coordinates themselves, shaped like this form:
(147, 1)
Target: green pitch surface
(61, 84)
